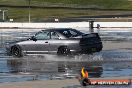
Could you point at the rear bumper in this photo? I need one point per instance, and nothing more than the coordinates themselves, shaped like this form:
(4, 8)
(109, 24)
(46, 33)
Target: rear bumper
(87, 49)
(92, 48)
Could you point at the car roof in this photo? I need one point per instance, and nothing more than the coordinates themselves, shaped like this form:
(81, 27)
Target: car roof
(56, 29)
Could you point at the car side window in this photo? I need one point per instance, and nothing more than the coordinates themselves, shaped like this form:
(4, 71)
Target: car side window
(73, 32)
(43, 35)
(66, 33)
(54, 35)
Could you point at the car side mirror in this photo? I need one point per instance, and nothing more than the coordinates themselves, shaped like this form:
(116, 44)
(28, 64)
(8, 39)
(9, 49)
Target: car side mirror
(33, 38)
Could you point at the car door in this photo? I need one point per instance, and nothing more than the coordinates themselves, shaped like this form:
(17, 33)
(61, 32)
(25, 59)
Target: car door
(54, 42)
(40, 43)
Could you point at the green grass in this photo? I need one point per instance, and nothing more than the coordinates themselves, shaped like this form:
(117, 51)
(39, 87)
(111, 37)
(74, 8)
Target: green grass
(101, 7)
(109, 4)
(104, 4)
(19, 14)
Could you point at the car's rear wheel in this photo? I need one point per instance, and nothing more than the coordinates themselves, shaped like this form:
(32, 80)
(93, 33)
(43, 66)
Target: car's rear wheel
(64, 50)
(16, 51)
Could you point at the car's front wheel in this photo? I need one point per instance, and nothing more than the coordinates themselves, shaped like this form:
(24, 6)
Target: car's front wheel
(16, 51)
(64, 50)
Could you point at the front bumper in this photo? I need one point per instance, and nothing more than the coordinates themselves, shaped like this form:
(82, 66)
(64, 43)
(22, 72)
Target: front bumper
(8, 49)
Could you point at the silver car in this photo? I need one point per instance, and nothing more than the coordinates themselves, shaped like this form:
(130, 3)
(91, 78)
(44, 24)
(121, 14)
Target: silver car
(61, 41)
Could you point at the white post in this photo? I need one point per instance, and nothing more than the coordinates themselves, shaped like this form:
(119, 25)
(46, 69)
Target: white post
(29, 15)
(3, 15)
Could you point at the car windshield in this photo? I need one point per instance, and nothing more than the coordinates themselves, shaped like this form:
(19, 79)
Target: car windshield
(70, 32)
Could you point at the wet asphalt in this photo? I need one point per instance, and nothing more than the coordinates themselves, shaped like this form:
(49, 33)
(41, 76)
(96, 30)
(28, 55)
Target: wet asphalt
(107, 63)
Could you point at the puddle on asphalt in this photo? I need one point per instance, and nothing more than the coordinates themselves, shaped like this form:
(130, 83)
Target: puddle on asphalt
(103, 64)
(111, 63)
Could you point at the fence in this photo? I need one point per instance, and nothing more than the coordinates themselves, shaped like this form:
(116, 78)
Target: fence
(65, 25)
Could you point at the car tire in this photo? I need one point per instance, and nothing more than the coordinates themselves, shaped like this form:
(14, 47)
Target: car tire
(64, 50)
(16, 51)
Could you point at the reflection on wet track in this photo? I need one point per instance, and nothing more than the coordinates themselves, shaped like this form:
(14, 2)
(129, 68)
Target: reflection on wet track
(102, 64)
(107, 63)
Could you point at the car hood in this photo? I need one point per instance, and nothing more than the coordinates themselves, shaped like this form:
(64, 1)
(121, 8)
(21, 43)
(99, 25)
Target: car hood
(16, 41)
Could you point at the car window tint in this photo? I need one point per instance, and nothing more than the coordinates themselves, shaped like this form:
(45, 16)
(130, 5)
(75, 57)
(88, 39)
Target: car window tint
(66, 33)
(54, 35)
(43, 35)
(73, 32)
